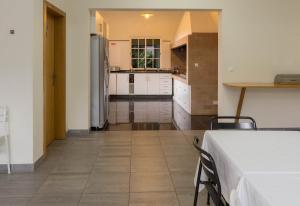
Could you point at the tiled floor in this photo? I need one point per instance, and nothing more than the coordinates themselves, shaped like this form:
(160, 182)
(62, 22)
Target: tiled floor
(137, 168)
(155, 114)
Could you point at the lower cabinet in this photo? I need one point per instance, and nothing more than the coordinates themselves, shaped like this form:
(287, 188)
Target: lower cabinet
(113, 84)
(182, 95)
(152, 84)
(144, 84)
(122, 84)
(140, 84)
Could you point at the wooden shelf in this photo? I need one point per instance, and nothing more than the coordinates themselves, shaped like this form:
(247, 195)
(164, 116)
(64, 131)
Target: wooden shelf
(261, 85)
(243, 86)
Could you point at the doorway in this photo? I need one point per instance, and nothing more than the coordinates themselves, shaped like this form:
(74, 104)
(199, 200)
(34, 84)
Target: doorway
(54, 74)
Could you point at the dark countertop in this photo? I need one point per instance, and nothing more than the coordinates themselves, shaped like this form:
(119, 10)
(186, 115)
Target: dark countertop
(144, 71)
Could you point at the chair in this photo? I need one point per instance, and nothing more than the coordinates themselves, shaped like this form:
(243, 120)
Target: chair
(235, 123)
(4, 133)
(213, 184)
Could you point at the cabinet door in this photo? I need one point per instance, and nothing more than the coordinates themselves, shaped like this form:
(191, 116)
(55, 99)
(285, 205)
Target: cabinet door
(165, 57)
(119, 54)
(112, 84)
(122, 84)
(153, 84)
(140, 84)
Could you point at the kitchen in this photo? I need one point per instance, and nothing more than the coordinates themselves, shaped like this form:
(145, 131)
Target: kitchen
(163, 68)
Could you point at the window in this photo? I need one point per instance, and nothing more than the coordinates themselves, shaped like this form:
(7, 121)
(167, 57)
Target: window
(145, 53)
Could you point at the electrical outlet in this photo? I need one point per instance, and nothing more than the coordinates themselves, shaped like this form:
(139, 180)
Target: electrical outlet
(12, 31)
(196, 65)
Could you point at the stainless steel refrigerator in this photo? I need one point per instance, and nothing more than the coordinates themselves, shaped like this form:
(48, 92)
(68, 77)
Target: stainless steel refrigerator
(99, 82)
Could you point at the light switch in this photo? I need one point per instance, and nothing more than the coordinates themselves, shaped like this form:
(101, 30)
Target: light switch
(196, 65)
(230, 69)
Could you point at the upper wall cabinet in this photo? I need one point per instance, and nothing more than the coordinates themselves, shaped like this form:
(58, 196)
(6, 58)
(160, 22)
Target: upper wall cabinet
(119, 54)
(165, 56)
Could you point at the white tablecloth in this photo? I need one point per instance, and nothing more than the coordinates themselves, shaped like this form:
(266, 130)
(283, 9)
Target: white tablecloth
(267, 190)
(238, 153)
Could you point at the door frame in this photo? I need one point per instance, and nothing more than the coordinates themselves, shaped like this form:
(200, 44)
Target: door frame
(60, 71)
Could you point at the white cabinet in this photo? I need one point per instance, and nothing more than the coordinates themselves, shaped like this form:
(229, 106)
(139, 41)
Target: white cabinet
(165, 84)
(122, 84)
(153, 84)
(182, 95)
(119, 54)
(165, 57)
(112, 84)
(140, 84)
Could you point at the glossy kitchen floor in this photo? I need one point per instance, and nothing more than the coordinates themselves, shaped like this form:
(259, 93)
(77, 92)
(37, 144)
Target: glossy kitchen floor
(113, 168)
(161, 114)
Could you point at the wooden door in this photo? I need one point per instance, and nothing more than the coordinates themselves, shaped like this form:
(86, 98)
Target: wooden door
(49, 80)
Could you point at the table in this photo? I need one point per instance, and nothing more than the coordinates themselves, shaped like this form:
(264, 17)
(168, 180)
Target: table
(267, 190)
(241, 153)
(244, 86)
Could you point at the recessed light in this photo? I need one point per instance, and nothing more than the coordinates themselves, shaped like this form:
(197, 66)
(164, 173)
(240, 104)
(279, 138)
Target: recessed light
(147, 15)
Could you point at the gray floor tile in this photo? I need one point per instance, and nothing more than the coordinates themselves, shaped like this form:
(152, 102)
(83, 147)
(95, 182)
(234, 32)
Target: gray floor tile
(176, 140)
(57, 200)
(15, 201)
(115, 151)
(20, 185)
(117, 140)
(186, 198)
(112, 164)
(145, 140)
(183, 181)
(154, 199)
(147, 151)
(151, 182)
(148, 164)
(108, 183)
(64, 184)
(99, 165)
(179, 150)
(74, 167)
(120, 199)
(170, 133)
(144, 133)
(182, 163)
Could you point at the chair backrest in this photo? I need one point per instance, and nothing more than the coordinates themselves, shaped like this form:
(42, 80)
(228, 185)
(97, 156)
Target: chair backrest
(213, 184)
(231, 122)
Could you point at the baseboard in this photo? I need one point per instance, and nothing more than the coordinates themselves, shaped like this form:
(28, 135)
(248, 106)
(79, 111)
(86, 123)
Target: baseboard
(22, 168)
(279, 129)
(140, 97)
(78, 133)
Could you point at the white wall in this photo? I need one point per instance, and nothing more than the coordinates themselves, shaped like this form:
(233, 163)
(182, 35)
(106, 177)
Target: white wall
(259, 39)
(197, 22)
(21, 76)
(16, 80)
(184, 26)
(127, 24)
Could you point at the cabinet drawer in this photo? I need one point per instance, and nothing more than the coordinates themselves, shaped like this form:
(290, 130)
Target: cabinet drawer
(165, 76)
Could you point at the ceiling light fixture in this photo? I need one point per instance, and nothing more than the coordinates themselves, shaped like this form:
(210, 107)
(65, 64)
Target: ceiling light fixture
(147, 15)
